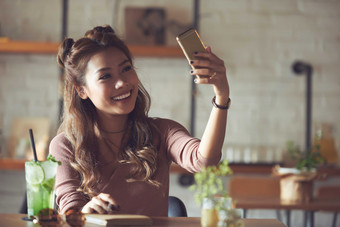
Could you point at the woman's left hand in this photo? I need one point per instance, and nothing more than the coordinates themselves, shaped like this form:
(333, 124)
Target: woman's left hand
(210, 69)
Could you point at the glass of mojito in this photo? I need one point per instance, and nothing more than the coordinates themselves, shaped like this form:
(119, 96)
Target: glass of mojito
(40, 179)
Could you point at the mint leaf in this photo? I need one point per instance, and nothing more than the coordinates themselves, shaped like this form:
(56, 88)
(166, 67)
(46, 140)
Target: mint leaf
(51, 158)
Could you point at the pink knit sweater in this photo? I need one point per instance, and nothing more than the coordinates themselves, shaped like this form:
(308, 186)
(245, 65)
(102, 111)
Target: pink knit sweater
(133, 197)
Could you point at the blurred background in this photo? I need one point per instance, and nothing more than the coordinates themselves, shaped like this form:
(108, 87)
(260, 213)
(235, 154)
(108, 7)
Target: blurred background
(259, 41)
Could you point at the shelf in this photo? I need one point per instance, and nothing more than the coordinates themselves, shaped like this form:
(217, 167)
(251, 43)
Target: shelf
(156, 51)
(252, 168)
(26, 47)
(20, 47)
(12, 164)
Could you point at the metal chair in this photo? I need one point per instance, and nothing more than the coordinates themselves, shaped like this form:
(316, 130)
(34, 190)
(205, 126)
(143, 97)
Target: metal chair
(23, 208)
(176, 207)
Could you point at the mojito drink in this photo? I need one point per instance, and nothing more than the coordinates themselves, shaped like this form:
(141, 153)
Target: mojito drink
(40, 179)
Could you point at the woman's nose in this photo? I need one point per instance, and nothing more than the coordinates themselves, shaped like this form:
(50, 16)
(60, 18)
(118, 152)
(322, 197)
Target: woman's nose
(120, 83)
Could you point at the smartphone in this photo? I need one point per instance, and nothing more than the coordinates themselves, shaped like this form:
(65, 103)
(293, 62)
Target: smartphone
(190, 42)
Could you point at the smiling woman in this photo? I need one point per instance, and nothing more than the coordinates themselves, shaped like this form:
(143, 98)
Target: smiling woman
(116, 159)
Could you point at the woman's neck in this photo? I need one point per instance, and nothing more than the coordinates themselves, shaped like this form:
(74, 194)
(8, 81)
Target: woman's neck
(110, 132)
(112, 124)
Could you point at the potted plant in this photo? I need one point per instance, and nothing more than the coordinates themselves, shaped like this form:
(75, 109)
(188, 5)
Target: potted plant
(297, 183)
(306, 161)
(211, 193)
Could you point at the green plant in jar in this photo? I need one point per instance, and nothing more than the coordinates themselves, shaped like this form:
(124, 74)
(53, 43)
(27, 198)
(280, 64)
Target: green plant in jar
(305, 160)
(209, 183)
(210, 192)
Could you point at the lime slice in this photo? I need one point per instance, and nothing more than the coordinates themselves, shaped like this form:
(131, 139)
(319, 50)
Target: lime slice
(48, 184)
(34, 173)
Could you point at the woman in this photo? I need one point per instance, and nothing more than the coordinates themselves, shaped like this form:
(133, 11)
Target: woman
(115, 159)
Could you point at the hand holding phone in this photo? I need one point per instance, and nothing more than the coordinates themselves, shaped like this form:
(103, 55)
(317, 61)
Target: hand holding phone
(190, 42)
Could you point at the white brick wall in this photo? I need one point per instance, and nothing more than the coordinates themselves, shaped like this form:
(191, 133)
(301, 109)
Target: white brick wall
(29, 88)
(36, 20)
(259, 40)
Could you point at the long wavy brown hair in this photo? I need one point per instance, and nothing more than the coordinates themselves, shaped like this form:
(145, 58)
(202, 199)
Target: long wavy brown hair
(80, 117)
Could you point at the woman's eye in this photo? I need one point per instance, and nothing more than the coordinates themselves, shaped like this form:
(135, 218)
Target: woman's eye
(127, 68)
(105, 76)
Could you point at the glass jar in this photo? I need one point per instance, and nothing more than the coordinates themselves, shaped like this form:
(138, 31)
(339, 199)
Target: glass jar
(209, 215)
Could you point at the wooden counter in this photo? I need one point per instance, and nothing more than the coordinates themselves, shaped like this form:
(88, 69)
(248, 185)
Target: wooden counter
(237, 168)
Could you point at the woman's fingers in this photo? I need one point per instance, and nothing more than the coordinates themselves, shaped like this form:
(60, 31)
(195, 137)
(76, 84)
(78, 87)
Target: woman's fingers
(207, 64)
(93, 207)
(107, 198)
(102, 204)
(209, 75)
(203, 72)
(208, 55)
(208, 68)
(98, 205)
(110, 203)
(202, 80)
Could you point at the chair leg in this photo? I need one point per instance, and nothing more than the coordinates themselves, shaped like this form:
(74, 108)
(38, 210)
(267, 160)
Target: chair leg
(23, 208)
(244, 213)
(305, 219)
(278, 215)
(311, 218)
(308, 219)
(288, 217)
(334, 219)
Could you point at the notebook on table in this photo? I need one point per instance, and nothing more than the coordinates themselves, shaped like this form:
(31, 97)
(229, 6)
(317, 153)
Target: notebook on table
(118, 219)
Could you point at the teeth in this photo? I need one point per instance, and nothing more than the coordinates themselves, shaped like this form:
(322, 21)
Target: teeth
(122, 96)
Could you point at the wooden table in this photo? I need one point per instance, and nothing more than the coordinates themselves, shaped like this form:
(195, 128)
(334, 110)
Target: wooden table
(14, 220)
(332, 205)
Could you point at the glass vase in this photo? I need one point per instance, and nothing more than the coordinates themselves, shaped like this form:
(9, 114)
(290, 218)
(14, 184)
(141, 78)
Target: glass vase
(209, 214)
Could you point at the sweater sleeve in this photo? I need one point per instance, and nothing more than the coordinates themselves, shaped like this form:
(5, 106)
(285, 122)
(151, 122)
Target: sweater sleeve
(182, 148)
(67, 179)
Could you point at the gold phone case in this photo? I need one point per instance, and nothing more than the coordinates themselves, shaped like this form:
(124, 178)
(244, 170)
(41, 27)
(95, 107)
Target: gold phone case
(190, 42)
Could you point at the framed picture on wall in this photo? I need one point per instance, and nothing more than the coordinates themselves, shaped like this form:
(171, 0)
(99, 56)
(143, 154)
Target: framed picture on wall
(19, 145)
(145, 26)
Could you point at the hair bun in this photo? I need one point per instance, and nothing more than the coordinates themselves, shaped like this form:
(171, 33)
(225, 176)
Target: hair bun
(64, 50)
(97, 33)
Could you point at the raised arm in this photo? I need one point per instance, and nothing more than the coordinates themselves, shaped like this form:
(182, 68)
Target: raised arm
(213, 71)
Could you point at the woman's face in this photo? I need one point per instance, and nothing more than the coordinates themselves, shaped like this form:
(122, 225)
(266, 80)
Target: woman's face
(111, 82)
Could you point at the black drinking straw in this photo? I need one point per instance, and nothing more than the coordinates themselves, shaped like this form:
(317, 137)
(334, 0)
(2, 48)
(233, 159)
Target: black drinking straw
(33, 145)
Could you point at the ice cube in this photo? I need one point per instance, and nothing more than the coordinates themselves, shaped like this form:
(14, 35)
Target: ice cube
(50, 169)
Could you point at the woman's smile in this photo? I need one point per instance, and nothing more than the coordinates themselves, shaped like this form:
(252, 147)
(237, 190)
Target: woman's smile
(122, 97)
